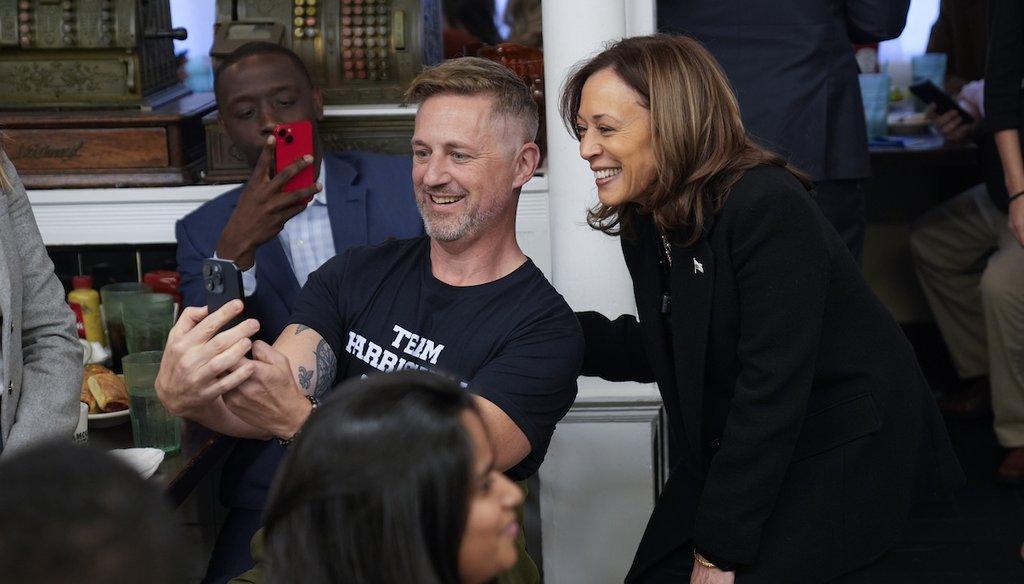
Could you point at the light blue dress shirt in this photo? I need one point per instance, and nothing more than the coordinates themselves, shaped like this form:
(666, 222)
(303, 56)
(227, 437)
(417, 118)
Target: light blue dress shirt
(306, 238)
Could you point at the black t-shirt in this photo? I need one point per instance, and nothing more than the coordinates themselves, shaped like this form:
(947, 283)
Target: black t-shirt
(513, 341)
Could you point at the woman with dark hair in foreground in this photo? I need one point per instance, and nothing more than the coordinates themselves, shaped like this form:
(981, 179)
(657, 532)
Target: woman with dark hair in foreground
(392, 481)
(801, 428)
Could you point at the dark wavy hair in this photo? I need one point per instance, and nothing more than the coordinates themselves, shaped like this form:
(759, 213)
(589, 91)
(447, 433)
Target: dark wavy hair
(376, 488)
(700, 145)
(72, 513)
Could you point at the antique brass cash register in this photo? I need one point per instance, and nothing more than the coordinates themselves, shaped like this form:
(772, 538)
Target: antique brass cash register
(361, 53)
(91, 94)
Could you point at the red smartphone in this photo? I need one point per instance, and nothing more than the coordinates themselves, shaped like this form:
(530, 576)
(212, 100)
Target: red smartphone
(294, 140)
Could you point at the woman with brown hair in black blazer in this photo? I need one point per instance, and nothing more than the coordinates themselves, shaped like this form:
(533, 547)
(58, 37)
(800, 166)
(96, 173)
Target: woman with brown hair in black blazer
(802, 429)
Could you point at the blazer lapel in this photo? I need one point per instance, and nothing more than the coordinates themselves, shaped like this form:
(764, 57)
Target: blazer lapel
(346, 205)
(273, 268)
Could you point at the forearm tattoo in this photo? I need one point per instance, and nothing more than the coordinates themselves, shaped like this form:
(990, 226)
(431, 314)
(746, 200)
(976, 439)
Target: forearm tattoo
(326, 368)
(305, 376)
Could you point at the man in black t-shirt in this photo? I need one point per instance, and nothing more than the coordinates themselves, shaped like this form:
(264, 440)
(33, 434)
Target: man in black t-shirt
(512, 340)
(465, 301)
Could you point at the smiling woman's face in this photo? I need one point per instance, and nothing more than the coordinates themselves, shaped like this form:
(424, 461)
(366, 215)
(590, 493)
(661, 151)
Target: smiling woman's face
(489, 541)
(614, 129)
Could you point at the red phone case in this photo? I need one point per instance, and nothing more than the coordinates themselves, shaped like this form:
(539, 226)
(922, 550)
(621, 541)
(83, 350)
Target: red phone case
(294, 140)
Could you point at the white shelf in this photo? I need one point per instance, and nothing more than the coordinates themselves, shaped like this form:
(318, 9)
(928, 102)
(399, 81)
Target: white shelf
(139, 216)
(134, 216)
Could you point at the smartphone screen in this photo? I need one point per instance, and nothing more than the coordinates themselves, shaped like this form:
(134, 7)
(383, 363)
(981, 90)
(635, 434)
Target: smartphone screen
(222, 281)
(294, 140)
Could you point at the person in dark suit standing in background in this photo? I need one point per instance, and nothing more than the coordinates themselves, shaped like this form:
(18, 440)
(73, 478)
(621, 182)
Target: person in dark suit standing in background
(794, 74)
(359, 199)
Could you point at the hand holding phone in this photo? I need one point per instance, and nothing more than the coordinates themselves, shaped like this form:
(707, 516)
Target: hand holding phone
(293, 141)
(222, 281)
(928, 92)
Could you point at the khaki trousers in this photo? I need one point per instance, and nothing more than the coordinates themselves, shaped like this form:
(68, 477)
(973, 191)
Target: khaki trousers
(971, 269)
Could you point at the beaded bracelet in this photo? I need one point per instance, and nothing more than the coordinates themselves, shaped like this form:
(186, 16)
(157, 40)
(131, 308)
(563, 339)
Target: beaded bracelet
(315, 403)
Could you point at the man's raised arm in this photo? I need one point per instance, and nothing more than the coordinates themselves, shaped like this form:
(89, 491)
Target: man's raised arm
(275, 397)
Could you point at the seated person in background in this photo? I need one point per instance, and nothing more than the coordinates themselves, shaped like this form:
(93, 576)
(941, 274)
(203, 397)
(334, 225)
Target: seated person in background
(969, 256)
(392, 481)
(74, 514)
(278, 240)
(362, 198)
(959, 32)
(464, 301)
(953, 247)
(41, 366)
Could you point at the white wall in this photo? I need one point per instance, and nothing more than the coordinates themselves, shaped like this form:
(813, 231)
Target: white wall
(894, 56)
(197, 17)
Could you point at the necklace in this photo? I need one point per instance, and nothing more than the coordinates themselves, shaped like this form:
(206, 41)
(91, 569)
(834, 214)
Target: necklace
(668, 249)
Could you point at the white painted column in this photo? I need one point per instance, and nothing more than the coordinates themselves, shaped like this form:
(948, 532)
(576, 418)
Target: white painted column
(597, 483)
(587, 265)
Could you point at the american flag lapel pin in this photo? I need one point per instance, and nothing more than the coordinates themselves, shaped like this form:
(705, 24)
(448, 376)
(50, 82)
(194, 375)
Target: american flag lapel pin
(697, 266)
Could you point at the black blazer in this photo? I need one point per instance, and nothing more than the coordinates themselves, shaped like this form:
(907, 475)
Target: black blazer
(801, 427)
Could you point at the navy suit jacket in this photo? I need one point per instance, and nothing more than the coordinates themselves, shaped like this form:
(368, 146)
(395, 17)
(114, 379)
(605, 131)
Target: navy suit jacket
(793, 70)
(370, 199)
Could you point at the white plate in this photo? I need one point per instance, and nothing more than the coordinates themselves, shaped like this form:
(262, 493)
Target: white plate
(106, 420)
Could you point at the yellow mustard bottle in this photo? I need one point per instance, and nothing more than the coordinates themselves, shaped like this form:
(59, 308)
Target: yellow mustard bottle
(85, 302)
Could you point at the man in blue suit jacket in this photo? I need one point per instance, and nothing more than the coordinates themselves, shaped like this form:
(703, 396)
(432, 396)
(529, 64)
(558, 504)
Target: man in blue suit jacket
(795, 76)
(359, 199)
(369, 200)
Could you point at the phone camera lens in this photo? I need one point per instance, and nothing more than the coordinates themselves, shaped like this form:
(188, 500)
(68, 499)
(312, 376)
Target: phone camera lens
(282, 132)
(289, 139)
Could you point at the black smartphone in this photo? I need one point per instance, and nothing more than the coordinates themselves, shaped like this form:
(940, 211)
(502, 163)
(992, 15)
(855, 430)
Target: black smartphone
(928, 92)
(223, 283)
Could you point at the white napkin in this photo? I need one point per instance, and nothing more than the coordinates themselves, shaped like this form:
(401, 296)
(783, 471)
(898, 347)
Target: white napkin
(144, 460)
(93, 352)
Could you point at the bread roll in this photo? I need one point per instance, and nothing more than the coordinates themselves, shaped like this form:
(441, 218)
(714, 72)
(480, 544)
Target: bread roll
(106, 388)
(87, 397)
(90, 370)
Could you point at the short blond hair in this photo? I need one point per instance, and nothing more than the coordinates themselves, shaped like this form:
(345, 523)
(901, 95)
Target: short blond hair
(475, 76)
